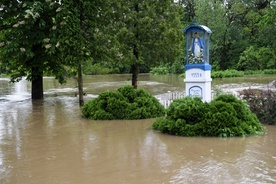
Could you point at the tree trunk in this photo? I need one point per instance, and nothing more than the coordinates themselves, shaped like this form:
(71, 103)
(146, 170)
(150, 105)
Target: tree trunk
(134, 71)
(37, 87)
(134, 66)
(80, 85)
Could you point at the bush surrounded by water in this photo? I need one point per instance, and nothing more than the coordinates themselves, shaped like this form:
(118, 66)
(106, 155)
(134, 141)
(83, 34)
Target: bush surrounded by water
(225, 116)
(124, 103)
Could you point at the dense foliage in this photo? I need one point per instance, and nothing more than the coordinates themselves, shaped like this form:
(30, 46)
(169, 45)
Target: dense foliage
(244, 32)
(262, 103)
(48, 37)
(147, 32)
(58, 37)
(175, 68)
(28, 43)
(124, 103)
(225, 116)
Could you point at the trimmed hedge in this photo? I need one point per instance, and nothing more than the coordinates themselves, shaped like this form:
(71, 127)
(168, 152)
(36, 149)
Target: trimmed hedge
(124, 103)
(225, 116)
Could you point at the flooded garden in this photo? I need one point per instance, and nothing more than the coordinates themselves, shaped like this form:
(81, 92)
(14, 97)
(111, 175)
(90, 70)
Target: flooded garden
(48, 141)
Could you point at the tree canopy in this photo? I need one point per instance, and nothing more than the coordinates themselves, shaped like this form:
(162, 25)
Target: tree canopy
(146, 32)
(28, 38)
(55, 37)
(240, 27)
(29, 45)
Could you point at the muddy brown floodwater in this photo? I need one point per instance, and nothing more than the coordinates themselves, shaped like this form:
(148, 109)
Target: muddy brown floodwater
(48, 142)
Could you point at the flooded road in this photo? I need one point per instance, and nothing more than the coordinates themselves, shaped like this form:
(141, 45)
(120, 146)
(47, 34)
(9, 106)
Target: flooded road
(48, 142)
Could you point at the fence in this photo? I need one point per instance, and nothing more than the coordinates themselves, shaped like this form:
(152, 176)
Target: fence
(167, 98)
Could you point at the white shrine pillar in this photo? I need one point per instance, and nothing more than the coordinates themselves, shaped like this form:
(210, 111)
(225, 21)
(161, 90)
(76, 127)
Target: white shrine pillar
(198, 81)
(197, 69)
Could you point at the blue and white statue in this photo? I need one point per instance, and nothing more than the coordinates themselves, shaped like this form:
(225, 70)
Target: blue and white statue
(197, 45)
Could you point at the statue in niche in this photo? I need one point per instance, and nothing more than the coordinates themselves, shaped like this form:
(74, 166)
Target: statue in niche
(196, 55)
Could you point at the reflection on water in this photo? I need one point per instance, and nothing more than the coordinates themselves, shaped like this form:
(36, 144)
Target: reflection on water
(14, 92)
(47, 141)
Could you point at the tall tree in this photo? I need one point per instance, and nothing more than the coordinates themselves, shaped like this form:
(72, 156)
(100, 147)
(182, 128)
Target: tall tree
(28, 43)
(189, 10)
(52, 37)
(146, 32)
(72, 39)
(84, 34)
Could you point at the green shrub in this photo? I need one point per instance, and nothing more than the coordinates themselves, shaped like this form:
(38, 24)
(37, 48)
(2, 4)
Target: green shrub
(225, 116)
(124, 103)
(96, 69)
(129, 93)
(109, 105)
(252, 72)
(270, 71)
(227, 74)
(187, 108)
(160, 70)
(257, 58)
(176, 67)
(265, 72)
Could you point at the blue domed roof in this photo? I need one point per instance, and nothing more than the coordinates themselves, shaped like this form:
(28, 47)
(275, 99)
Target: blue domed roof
(194, 28)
